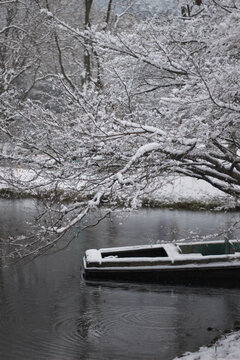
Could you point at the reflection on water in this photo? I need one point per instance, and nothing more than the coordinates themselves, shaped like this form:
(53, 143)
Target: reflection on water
(48, 312)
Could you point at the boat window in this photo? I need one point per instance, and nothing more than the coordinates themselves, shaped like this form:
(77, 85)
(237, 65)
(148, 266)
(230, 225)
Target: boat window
(152, 252)
(208, 249)
(236, 245)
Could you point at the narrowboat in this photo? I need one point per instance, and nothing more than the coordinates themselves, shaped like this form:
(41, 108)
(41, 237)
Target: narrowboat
(211, 263)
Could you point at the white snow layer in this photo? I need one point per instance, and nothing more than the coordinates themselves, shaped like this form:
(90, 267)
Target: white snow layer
(172, 190)
(226, 348)
(183, 188)
(93, 255)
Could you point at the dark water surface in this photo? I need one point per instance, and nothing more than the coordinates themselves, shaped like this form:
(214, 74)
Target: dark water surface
(48, 312)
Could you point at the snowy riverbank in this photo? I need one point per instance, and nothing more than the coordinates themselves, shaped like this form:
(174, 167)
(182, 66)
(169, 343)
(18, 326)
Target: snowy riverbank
(183, 191)
(226, 348)
(174, 192)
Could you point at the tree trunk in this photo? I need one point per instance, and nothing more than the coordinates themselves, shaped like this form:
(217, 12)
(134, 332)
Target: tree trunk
(109, 11)
(87, 56)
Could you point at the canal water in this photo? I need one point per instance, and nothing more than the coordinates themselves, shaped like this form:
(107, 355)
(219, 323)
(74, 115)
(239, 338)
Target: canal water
(47, 311)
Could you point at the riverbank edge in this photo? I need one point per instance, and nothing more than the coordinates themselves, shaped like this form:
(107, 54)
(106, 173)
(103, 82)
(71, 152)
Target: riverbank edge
(225, 346)
(213, 204)
(173, 191)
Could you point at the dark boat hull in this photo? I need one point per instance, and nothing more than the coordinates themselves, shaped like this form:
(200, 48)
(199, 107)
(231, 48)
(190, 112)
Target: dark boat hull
(215, 277)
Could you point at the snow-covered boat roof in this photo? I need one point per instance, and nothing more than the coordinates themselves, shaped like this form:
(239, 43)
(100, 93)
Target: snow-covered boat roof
(173, 254)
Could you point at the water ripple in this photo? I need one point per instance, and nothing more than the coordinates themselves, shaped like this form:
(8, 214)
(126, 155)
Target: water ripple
(148, 317)
(72, 329)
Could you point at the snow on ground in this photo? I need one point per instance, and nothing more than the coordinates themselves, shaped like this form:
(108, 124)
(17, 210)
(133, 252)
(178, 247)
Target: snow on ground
(33, 183)
(226, 348)
(182, 189)
(172, 190)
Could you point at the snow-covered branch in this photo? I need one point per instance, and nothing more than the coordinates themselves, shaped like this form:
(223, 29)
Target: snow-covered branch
(93, 115)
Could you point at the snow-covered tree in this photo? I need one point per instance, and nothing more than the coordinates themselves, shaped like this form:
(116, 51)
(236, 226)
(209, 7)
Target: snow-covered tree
(161, 97)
